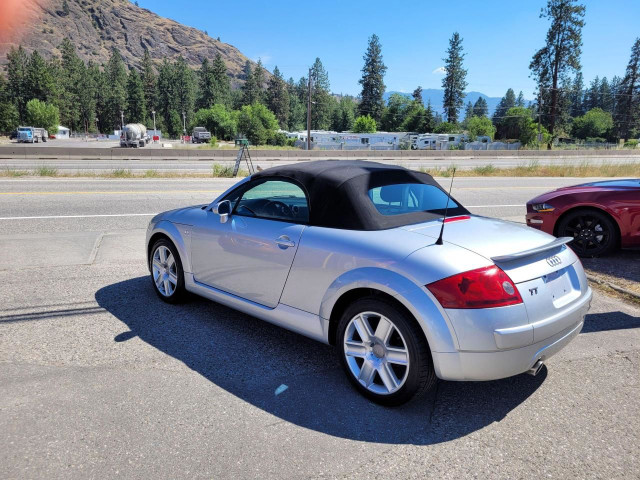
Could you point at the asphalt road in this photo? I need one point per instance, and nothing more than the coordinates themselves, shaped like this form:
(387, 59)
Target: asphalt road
(101, 379)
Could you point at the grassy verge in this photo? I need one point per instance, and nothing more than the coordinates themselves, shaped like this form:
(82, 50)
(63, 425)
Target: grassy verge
(532, 169)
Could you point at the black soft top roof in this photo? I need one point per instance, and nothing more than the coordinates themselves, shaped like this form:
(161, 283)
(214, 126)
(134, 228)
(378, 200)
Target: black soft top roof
(338, 192)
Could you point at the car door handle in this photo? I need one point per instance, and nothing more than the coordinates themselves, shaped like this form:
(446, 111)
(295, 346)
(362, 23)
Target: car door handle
(284, 242)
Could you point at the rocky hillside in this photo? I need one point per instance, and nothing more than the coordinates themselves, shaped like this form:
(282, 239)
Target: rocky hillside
(96, 26)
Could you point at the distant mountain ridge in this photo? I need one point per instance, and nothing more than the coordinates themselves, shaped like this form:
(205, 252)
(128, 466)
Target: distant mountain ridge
(437, 99)
(97, 26)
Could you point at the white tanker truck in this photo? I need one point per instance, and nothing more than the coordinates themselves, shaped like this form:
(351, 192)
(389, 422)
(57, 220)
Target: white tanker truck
(134, 135)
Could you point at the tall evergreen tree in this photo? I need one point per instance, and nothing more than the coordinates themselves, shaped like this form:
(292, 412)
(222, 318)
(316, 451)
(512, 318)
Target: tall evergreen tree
(454, 81)
(206, 86)
(344, 115)
(396, 112)
(278, 98)
(520, 100)
(87, 97)
(322, 105)
(417, 94)
(297, 109)
(40, 82)
(577, 95)
(149, 84)
(136, 107)
(468, 112)
(185, 90)
(629, 105)
(222, 84)
(592, 95)
(372, 81)
(17, 61)
(561, 53)
(606, 97)
(116, 98)
(250, 90)
(70, 86)
(506, 102)
(480, 108)
(259, 78)
(166, 99)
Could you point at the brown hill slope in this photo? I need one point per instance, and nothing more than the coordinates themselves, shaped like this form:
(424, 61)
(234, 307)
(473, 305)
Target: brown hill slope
(96, 26)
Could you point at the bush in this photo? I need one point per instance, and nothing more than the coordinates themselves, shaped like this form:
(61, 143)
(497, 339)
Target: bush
(218, 120)
(631, 144)
(364, 124)
(257, 123)
(519, 123)
(279, 139)
(446, 127)
(480, 126)
(214, 141)
(43, 115)
(595, 123)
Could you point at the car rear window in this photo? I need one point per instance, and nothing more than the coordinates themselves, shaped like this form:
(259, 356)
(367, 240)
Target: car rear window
(405, 198)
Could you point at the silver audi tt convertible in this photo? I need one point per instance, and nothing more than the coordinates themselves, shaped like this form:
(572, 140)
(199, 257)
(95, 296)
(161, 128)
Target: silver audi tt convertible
(382, 263)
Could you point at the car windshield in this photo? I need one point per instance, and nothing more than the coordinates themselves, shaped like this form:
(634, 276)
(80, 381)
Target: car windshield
(404, 198)
(24, 129)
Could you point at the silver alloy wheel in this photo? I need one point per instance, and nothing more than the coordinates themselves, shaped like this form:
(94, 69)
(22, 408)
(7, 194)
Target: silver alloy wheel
(376, 353)
(165, 271)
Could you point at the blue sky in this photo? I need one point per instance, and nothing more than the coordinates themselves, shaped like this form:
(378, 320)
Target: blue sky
(500, 36)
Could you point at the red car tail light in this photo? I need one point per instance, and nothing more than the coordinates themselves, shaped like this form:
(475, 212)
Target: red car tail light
(485, 287)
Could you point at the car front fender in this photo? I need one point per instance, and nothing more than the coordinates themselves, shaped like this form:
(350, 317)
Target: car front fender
(179, 234)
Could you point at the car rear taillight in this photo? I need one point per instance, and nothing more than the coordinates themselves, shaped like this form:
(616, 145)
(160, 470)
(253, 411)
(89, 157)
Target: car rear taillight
(485, 287)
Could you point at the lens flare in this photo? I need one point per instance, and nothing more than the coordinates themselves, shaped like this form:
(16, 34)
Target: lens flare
(16, 18)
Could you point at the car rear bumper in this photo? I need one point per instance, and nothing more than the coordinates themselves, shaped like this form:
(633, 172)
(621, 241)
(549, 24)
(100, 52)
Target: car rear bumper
(493, 365)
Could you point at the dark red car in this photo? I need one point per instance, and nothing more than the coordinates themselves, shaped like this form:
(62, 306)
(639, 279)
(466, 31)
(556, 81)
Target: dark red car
(600, 216)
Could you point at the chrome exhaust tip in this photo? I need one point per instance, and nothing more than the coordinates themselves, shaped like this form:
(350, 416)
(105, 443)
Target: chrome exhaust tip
(533, 371)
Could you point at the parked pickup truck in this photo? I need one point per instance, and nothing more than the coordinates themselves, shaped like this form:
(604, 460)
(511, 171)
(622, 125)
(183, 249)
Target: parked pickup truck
(200, 135)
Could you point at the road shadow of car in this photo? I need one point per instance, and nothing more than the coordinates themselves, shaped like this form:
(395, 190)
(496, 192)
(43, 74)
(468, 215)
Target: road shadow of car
(297, 379)
(601, 322)
(621, 265)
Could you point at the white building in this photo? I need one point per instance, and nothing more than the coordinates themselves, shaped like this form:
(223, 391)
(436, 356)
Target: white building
(63, 133)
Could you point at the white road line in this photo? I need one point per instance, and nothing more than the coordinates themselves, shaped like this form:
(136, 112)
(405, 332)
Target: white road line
(492, 206)
(152, 214)
(81, 216)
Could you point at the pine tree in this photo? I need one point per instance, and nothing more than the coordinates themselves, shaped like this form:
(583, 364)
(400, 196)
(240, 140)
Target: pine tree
(250, 93)
(166, 98)
(561, 54)
(40, 82)
(480, 108)
(136, 107)
(206, 86)
(222, 84)
(86, 105)
(592, 96)
(258, 76)
(629, 106)
(322, 101)
(507, 102)
(69, 86)
(520, 100)
(116, 99)
(577, 95)
(297, 110)
(17, 61)
(149, 84)
(468, 112)
(372, 81)
(454, 82)
(417, 95)
(278, 98)
(185, 90)
(606, 97)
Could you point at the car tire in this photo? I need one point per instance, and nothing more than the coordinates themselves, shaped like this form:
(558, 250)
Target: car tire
(375, 365)
(167, 274)
(594, 233)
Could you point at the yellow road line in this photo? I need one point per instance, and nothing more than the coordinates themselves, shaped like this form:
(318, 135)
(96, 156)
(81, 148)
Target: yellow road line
(131, 192)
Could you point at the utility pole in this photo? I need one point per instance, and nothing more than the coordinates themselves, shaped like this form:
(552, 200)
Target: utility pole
(184, 123)
(309, 115)
(539, 115)
(122, 120)
(153, 112)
